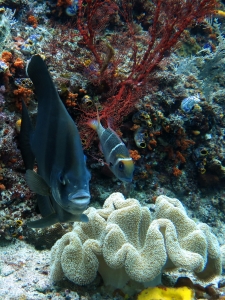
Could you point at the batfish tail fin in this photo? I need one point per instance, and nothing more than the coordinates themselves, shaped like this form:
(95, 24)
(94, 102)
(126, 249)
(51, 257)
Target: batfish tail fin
(24, 139)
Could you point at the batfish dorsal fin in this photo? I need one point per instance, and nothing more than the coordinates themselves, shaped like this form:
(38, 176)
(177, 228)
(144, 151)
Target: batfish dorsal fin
(26, 131)
(39, 74)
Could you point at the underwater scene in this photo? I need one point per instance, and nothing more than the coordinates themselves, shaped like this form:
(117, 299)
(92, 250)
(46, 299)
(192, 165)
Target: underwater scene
(112, 149)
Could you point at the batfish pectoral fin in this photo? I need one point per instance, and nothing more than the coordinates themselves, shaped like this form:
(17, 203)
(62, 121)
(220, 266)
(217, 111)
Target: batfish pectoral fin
(74, 218)
(84, 218)
(44, 222)
(65, 216)
(37, 184)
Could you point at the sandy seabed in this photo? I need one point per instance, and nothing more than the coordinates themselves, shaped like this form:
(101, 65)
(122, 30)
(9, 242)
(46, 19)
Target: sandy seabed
(24, 273)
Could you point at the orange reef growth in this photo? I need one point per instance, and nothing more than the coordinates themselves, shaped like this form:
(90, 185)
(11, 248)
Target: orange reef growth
(176, 172)
(180, 157)
(184, 143)
(134, 154)
(32, 20)
(64, 3)
(2, 187)
(7, 56)
(71, 100)
(24, 94)
(18, 63)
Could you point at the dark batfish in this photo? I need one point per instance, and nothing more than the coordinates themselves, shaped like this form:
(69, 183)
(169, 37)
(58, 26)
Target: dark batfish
(115, 152)
(62, 181)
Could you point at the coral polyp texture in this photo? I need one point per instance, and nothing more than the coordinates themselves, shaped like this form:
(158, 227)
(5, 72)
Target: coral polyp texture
(123, 241)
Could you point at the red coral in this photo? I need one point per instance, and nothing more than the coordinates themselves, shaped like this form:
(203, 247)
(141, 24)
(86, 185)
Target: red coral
(120, 93)
(93, 16)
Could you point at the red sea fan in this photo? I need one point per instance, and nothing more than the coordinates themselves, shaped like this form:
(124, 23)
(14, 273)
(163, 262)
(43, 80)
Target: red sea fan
(144, 52)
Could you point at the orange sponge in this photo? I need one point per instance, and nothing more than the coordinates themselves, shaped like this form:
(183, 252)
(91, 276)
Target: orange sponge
(166, 293)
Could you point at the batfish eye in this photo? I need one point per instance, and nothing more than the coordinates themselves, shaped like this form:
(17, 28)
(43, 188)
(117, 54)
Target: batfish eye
(61, 178)
(121, 165)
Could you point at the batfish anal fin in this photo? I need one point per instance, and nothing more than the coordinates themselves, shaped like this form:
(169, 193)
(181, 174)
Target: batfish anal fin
(52, 219)
(37, 184)
(44, 222)
(45, 205)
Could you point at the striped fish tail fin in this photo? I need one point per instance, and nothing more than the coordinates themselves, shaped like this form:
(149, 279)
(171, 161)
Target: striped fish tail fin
(93, 124)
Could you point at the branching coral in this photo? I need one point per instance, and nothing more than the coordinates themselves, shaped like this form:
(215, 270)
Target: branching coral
(119, 57)
(121, 243)
(168, 21)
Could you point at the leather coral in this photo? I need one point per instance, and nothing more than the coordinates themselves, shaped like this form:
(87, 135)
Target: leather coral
(123, 242)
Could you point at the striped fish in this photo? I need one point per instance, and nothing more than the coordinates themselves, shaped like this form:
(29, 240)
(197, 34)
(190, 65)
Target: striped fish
(115, 152)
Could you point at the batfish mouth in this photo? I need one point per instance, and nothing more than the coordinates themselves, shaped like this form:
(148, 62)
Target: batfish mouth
(80, 198)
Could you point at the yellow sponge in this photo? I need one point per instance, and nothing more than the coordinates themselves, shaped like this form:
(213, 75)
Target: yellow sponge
(166, 293)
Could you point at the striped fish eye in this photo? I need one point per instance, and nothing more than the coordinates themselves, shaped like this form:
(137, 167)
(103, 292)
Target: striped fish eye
(121, 166)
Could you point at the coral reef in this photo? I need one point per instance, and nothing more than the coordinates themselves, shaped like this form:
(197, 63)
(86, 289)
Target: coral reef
(122, 243)
(6, 21)
(89, 75)
(46, 238)
(162, 92)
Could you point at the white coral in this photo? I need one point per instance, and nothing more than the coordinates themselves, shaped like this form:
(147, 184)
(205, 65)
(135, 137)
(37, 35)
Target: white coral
(121, 242)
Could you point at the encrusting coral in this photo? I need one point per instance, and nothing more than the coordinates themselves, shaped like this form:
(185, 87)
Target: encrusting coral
(122, 243)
